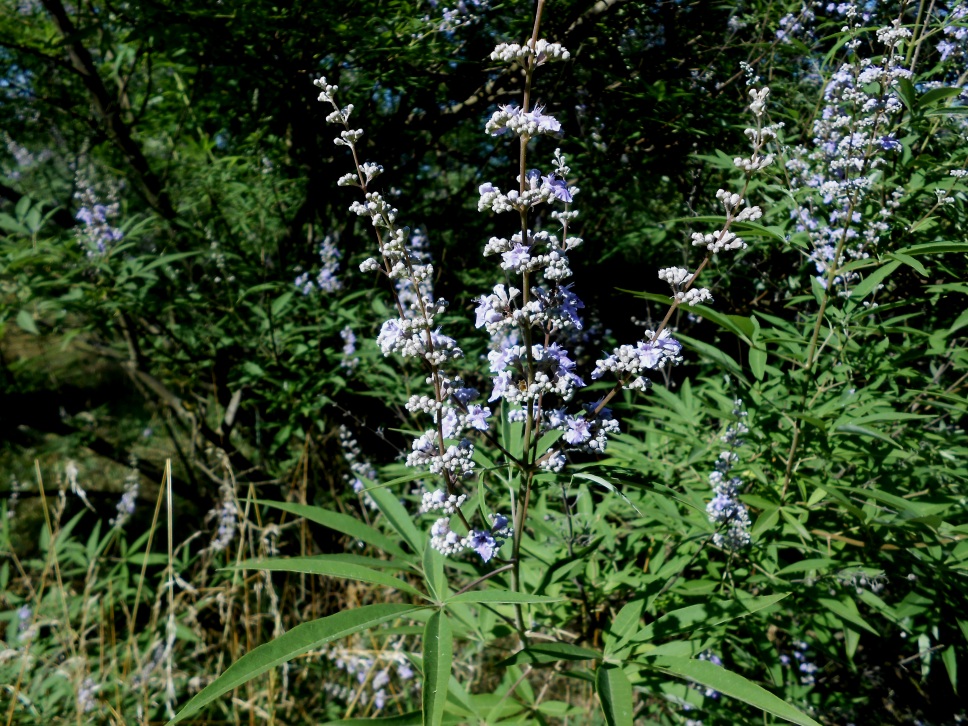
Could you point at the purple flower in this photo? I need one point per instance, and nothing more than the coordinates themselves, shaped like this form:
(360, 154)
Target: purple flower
(483, 543)
(546, 124)
(304, 284)
(558, 354)
(465, 395)
(502, 384)
(554, 417)
(477, 417)
(558, 187)
(501, 358)
(516, 258)
(404, 671)
(577, 430)
(390, 333)
(889, 143)
(485, 311)
(450, 423)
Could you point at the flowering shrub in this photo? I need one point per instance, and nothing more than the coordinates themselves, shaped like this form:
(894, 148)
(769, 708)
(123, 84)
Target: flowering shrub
(682, 443)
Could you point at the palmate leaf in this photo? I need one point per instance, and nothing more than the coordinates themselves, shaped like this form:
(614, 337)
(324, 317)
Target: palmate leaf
(730, 684)
(297, 641)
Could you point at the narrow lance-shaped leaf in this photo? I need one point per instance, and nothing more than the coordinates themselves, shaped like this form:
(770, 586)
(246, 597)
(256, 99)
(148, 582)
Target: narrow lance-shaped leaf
(297, 641)
(321, 565)
(341, 523)
(732, 685)
(438, 656)
(615, 694)
(398, 517)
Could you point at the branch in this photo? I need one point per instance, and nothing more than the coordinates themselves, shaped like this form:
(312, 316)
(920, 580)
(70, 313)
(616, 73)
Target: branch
(109, 111)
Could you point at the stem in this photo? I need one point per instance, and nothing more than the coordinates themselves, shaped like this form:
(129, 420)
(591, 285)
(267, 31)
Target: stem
(832, 273)
(521, 511)
(482, 578)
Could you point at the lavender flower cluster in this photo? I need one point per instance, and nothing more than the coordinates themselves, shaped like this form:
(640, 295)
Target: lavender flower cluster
(444, 449)
(464, 12)
(227, 516)
(129, 497)
(350, 360)
(806, 669)
(852, 140)
(726, 512)
(360, 468)
(326, 280)
(659, 349)
(96, 232)
(378, 674)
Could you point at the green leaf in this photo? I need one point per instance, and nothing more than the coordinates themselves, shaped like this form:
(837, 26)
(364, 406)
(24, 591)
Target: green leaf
(500, 596)
(433, 563)
(9, 224)
(731, 684)
(864, 431)
(26, 322)
(938, 94)
(911, 262)
(624, 624)
(908, 94)
(438, 655)
(398, 517)
(704, 615)
(297, 641)
(324, 566)
(869, 283)
(414, 718)
(605, 484)
(909, 508)
(615, 694)
(164, 260)
(758, 362)
(341, 523)
(550, 653)
(948, 111)
(950, 659)
(712, 353)
(280, 303)
(22, 206)
(847, 612)
(548, 439)
(933, 248)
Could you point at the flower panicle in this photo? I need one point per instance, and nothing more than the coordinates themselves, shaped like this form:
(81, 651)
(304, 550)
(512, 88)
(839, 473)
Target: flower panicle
(442, 449)
(632, 363)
